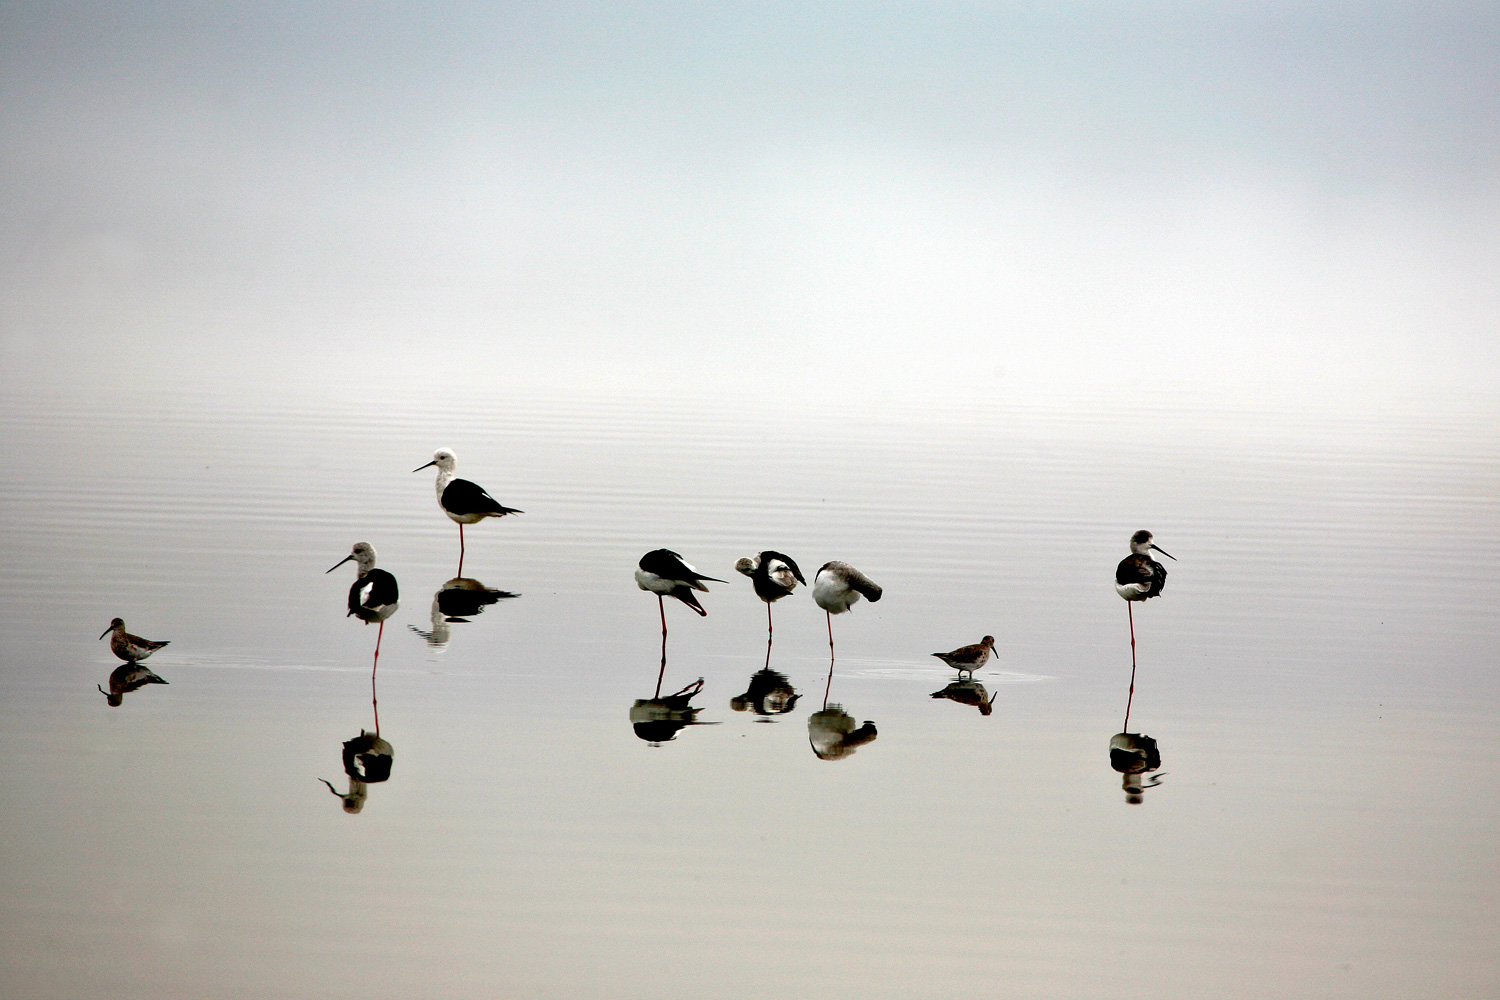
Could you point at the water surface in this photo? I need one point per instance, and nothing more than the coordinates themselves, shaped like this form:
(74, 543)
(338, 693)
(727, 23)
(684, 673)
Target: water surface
(1319, 678)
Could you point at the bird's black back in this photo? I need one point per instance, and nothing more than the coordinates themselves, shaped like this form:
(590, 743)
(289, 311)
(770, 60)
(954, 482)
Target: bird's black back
(669, 566)
(1141, 569)
(382, 591)
(463, 497)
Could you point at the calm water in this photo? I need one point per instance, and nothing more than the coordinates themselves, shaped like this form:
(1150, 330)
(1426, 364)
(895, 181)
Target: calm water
(1320, 678)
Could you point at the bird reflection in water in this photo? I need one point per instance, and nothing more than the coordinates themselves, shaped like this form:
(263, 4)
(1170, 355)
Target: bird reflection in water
(831, 732)
(367, 761)
(1134, 756)
(967, 692)
(770, 693)
(458, 600)
(833, 735)
(126, 678)
(658, 719)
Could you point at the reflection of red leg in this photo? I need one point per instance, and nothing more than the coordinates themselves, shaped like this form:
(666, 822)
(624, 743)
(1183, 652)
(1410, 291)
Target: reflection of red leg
(1131, 611)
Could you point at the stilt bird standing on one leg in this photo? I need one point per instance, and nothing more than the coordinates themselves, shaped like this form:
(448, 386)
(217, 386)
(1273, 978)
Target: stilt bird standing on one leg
(373, 596)
(461, 500)
(1139, 578)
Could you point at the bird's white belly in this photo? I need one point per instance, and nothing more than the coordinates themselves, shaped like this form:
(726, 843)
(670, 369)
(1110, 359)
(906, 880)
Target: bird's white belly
(1132, 591)
(654, 583)
(833, 599)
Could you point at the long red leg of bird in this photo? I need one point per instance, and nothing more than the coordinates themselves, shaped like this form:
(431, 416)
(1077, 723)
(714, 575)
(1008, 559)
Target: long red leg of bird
(1131, 611)
(460, 549)
(373, 701)
(769, 628)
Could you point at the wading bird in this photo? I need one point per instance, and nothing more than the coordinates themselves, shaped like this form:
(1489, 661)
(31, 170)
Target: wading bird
(774, 576)
(461, 500)
(967, 659)
(663, 573)
(837, 587)
(374, 594)
(127, 647)
(1139, 578)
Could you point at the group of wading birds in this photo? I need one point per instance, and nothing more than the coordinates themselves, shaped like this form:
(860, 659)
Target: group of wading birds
(836, 588)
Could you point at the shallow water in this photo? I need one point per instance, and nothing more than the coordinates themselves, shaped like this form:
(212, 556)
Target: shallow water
(1319, 675)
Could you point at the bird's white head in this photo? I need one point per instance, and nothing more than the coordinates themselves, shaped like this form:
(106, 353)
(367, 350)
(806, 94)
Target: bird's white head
(444, 459)
(748, 565)
(363, 555)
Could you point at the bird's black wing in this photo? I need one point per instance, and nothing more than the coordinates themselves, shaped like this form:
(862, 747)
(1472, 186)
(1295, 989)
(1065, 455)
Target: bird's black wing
(1139, 569)
(686, 596)
(665, 563)
(669, 566)
(1132, 569)
(463, 497)
(376, 589)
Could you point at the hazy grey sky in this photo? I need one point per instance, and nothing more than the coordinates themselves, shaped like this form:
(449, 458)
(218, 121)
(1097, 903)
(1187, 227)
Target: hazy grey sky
(1260, 198)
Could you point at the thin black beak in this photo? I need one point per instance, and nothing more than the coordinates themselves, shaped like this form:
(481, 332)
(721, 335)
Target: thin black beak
(1163, 552)
(106, 632)
(338, 564)
(428, 465)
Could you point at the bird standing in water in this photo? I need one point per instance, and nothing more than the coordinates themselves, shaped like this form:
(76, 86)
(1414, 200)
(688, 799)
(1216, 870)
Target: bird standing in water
(1139, 578)
(837, 587)
(774, 576)
(461, 500)
(127, 647)
(967, 659)
(663, 573)
(374, 595)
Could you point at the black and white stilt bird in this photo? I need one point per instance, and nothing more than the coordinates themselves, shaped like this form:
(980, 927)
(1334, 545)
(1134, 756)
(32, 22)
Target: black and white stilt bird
(774, 576)
(663, 573)
(837, 587)
(461, 500)
(374, 595)
(1138, 577)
